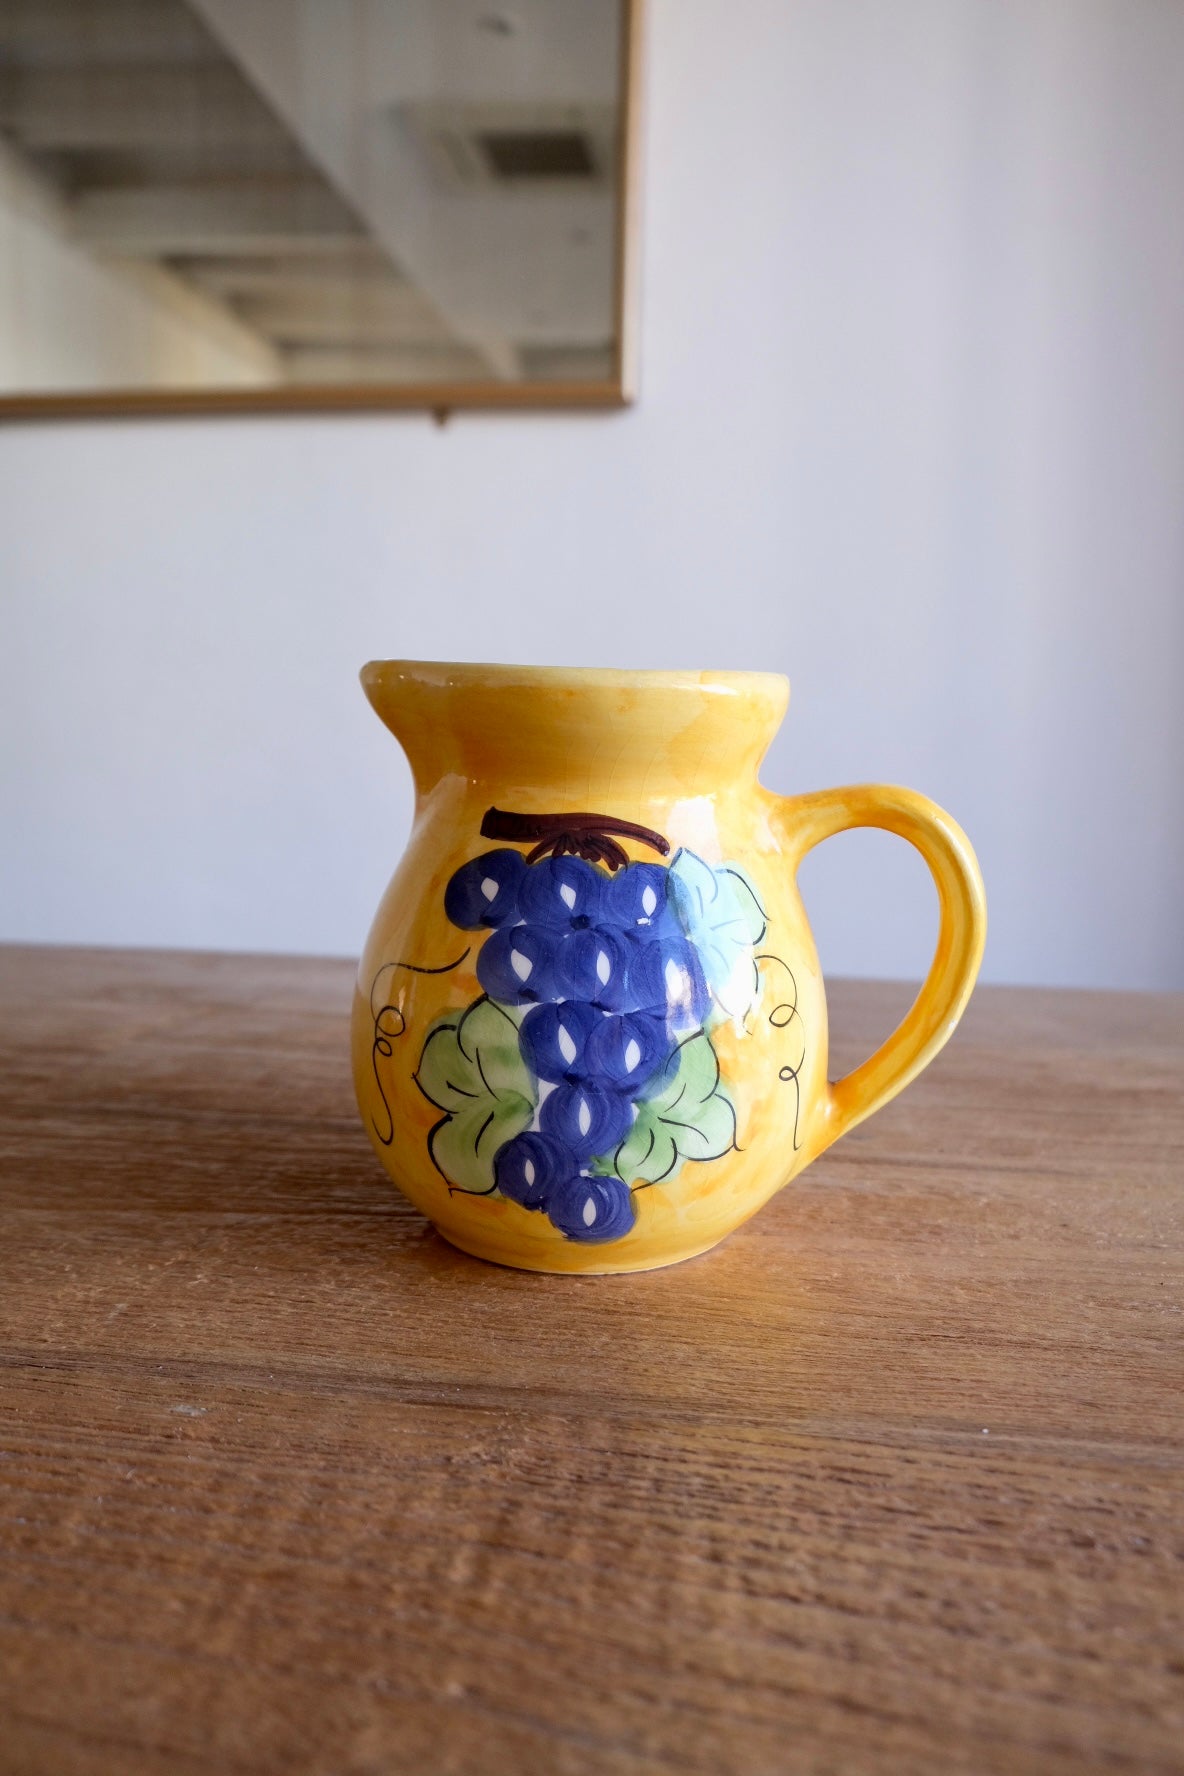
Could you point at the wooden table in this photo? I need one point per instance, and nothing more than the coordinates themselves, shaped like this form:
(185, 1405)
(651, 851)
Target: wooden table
(889, 1483)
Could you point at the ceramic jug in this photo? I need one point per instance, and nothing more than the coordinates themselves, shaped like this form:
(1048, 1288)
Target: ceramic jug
(589, 1032)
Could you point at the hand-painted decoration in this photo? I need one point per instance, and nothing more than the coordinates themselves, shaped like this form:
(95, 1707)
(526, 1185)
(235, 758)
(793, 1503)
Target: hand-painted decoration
(596, 1042)
(586, 1069)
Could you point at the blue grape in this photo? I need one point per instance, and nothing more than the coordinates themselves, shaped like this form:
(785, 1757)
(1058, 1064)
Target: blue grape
(553, 1039)
(593, 965)
(561, 892)
(528, 1168)
(586, 1119)
(623, 1052)
(485, 890)
(516, 965)
(666, 978)
(635, 899)
(589, 1209)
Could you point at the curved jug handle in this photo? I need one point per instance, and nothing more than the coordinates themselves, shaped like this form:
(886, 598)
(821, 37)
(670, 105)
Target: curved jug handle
(806, 820)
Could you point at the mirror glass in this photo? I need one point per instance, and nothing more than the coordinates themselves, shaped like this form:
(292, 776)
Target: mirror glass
(313, 202)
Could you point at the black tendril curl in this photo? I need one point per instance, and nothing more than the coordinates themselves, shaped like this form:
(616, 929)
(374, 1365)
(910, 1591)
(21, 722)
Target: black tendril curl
(389, 1025)
(781, 1017)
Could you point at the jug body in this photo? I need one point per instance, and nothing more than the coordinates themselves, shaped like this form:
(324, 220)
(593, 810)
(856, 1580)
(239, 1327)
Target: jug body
(589, 1031)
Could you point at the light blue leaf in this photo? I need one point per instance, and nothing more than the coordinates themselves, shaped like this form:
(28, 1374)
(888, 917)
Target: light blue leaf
(722, 916)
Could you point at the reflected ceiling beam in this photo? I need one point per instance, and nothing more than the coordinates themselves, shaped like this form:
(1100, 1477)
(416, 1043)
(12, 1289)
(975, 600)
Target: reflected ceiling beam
(354, 273)
(162, 221)
(46, 32)
(288, 324)
(329, 364)
(132, 107)
(398, 316)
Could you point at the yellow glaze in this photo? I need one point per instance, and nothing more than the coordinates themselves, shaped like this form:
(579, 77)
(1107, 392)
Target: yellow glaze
(678, 753)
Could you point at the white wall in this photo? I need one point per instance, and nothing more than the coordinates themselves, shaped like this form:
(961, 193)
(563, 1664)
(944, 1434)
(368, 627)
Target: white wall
(912, 429)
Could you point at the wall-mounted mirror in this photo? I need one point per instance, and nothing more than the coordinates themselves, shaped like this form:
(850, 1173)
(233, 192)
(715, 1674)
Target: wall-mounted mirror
(316, 203)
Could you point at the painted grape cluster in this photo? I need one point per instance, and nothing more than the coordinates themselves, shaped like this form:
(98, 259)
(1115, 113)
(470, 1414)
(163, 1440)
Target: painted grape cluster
(586, 1069)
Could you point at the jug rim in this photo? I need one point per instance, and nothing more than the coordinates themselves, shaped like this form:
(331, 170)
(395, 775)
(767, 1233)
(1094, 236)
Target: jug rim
(457, 674)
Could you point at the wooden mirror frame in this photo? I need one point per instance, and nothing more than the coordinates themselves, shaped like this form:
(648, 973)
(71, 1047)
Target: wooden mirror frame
(441, 399)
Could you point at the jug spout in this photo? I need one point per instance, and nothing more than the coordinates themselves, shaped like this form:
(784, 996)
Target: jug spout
(414, 710)
(562, 729)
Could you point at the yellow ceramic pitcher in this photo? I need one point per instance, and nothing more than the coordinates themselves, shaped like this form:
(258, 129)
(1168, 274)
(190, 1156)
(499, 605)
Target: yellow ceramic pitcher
(590, 1031)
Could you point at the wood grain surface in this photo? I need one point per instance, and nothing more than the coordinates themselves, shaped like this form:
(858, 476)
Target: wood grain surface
(891, 1482)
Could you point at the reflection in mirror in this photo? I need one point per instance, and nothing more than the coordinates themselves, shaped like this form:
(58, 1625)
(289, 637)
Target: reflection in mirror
(314, 202)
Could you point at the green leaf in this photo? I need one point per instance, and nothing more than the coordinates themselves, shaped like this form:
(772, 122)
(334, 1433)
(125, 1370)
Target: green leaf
(463, 1145)
(472, 1056)
(721, 914)
(472, 1068)
(687, 1117)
